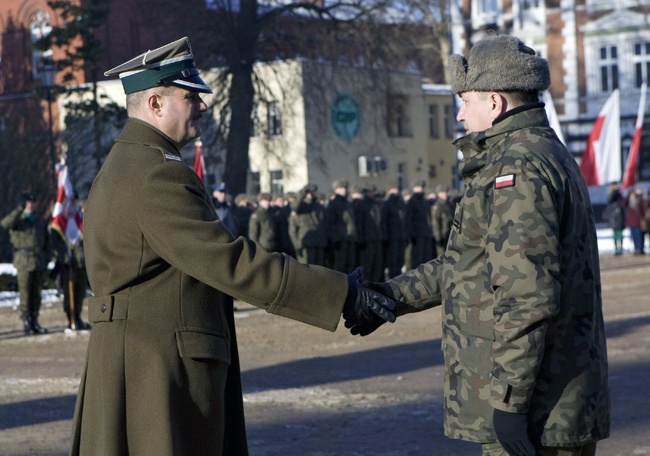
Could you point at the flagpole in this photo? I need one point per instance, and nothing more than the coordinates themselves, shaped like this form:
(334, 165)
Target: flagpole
(73, 319)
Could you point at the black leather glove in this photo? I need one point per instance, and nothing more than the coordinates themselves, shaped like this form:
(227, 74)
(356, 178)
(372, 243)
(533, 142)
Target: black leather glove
(365, 310)
(512, 432)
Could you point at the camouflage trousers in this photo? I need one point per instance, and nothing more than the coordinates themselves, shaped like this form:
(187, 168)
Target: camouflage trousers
(29, 288)
(589, 449)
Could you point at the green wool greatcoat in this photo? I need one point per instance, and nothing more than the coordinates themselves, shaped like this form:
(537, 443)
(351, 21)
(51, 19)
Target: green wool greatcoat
(162, 372)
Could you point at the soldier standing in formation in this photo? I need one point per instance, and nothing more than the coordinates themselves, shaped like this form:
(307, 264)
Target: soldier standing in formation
(307, 228)
(519, 281)
(370, 235)
(262, 225)
(442, 214)
(394, 227)
(28, 234)
(418, 225)
(341, 229)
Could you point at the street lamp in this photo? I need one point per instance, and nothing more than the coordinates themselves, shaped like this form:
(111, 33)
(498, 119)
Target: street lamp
(48, 73)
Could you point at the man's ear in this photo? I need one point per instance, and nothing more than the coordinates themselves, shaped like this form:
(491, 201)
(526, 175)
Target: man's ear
(499, 105)
(155, 103)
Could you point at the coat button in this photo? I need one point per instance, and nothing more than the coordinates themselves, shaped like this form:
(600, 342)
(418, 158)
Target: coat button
(103, 308)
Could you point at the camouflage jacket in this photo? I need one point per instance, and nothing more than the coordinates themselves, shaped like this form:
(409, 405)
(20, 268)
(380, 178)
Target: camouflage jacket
(519, 285)
(29, 239)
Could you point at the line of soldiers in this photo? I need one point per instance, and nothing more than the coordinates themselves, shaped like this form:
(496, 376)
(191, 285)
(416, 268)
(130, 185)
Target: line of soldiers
(384, 232)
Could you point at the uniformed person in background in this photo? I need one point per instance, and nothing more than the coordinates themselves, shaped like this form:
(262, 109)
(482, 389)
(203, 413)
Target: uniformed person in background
(341, 229)
(369, 230)
(73, 280)
(29, 238)
(262, 225)
(162, 372)
(442, 214)
(519, 281)
(418, 225)
(306, 226)
(393, 219)
(224, 207)
(280, 210)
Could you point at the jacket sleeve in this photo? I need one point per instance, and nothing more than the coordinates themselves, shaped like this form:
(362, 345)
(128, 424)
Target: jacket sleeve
(179, 223)
(523, 262)
(418, 289)
(10, 220)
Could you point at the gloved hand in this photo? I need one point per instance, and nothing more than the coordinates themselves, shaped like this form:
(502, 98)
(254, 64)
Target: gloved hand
(365, 310)
(512, 432)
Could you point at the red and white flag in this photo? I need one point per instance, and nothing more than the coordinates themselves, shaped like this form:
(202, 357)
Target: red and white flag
(66, 217)
(632, 163)
(601, 160)
(199, 165)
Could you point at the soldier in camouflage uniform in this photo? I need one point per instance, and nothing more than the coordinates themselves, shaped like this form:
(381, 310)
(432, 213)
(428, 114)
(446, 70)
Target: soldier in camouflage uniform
(29, 238)
(519, 282)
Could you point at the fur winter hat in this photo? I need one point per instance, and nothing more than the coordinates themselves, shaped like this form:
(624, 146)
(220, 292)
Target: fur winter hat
(499, 63)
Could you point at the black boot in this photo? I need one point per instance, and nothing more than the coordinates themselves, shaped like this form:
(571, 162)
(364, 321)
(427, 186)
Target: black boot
(29, 329)
(38, 329)
(81, 325)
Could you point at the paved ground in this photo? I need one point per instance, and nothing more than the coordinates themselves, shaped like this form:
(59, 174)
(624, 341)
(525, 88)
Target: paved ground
(313, 393)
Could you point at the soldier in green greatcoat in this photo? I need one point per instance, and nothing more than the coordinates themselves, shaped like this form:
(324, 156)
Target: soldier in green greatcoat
(519, 282)
(162, 372)
(29, 238)
(306, 226)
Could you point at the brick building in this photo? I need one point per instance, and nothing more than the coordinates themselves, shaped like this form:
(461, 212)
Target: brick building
(593, 47)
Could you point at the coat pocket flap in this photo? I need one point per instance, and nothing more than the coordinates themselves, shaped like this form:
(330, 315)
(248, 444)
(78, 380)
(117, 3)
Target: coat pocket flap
(203, 345)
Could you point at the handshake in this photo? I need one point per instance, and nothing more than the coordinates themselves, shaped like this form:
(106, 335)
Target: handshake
(367, 306)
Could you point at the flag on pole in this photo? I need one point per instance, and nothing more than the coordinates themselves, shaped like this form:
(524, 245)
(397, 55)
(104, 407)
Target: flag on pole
(601, 160)
(553, 120)
(199, 165)
(632, 163)
(66, 217)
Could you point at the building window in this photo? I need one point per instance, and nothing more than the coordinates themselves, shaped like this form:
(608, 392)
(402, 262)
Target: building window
(273, 119)
(488, 6)
(399, 124)
(277, 182)
(434, 129)
(608, 68)
(255, 185)
(255, 124)
(39, 28)
(401, 176)
(450, 121)
(641, 63)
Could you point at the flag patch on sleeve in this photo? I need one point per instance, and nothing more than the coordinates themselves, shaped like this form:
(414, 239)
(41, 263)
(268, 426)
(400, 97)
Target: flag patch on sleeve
(504, 181)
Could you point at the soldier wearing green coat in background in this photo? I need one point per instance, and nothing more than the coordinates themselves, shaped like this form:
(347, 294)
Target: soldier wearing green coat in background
(29, 238)
(519, 282)
(162, 371)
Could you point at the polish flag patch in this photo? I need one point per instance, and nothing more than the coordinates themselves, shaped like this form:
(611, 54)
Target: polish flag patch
(504, 181)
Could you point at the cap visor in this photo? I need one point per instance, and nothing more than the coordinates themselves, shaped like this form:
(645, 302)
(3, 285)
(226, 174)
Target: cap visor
(193, 83)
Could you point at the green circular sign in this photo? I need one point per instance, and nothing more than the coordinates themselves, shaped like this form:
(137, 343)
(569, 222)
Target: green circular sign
(346, 118)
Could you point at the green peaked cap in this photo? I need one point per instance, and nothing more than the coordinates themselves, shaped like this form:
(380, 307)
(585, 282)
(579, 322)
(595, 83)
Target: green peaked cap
(171, 64)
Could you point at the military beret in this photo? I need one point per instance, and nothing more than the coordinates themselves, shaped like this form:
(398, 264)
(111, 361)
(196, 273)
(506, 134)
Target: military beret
(171, 64)
(499, 63)
(264, 196)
